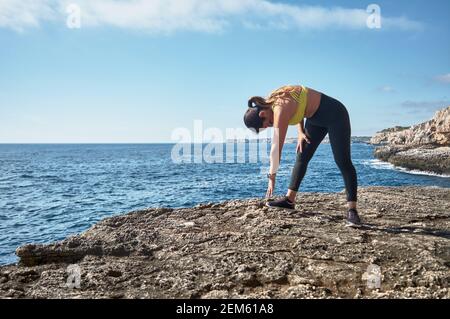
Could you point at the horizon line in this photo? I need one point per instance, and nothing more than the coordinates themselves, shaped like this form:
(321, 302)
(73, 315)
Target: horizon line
(144, 143)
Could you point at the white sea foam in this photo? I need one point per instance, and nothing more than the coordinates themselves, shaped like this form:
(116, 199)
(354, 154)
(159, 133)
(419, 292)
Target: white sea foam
(378, 164)
(417, 172)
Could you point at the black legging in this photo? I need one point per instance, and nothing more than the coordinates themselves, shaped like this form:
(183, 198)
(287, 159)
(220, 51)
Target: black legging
(331, 117)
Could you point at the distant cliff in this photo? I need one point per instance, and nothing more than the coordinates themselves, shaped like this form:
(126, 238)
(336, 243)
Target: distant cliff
(424, 146)
(435, 132)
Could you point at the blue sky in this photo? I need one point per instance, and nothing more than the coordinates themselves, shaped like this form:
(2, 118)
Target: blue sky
(136, 70)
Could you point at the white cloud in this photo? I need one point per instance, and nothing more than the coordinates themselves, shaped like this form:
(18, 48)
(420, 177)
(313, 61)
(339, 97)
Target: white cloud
(192, 15)
(387, 89)
(18, 15)
(402, 23)
(415, 106)
(445, 78)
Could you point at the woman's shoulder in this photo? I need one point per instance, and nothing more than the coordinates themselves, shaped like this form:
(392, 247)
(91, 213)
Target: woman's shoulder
(286, 102)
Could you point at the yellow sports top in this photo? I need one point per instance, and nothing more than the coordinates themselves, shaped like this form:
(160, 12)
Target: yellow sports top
(301, 98)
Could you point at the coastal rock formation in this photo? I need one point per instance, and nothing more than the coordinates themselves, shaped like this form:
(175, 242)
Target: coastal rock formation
(433, 132)
(424, 158)
(389, 135)
(425, 146)
(243, 249)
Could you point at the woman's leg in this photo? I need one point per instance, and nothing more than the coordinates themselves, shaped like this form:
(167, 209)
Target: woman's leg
(316, 135)
(340, 138)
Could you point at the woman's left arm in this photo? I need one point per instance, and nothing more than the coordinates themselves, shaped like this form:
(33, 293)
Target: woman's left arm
(279, 135)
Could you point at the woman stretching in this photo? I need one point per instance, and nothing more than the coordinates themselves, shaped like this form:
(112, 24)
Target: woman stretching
(290, 105)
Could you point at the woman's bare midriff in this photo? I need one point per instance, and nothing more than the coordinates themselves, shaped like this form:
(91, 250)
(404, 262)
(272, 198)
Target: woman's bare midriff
(313, 102)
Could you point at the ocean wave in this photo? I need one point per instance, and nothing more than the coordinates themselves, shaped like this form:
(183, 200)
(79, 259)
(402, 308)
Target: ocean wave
(26, 176)
(7, 178)
(378, 164)
(417, 172)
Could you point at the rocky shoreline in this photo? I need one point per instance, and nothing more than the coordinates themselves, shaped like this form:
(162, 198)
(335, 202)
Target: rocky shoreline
(243, 249)
(424, 158)
(424, 147)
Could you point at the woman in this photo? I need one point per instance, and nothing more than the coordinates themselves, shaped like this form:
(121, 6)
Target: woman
(290, 105)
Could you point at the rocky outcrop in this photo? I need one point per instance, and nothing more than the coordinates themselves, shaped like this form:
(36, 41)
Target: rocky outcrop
(425, 146)
(388, 135)
(434, 132)
(243, 249)
(425, 158)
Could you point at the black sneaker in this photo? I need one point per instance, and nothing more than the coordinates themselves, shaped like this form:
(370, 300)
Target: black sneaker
(283, 202)
(353, 218)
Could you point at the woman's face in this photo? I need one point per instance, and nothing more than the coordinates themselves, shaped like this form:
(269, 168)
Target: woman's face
(267, 117)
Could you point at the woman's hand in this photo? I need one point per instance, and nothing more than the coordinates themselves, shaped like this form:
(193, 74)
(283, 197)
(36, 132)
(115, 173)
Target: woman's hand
(302, 137)
(270, 187)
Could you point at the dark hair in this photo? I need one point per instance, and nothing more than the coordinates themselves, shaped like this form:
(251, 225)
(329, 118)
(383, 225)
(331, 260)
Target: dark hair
(251, 116)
